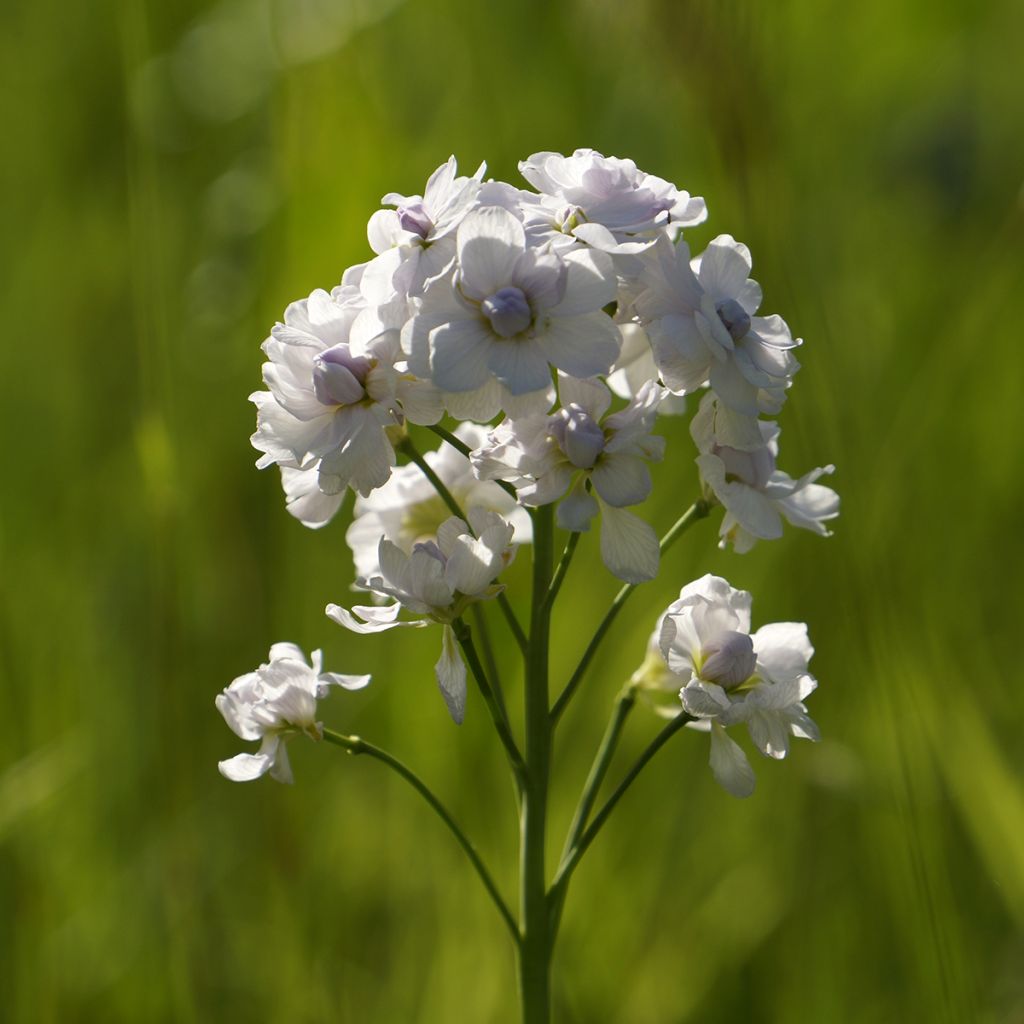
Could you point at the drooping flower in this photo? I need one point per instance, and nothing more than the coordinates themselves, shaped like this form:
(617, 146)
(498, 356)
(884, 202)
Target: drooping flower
(756, 495)
(700, 317)
(607, 202)
(729, 676)
(407, 510)
(492, 329)
(330, 403)
(436, 581)
(274, 703)
(591, 463)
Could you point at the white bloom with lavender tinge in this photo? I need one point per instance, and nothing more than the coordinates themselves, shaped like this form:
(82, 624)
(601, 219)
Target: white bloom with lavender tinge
(329, 403)
(591, 463)
(507, 314)
(606, 202)
(407, 510)
(729, 676)
(755, 494)
(274, 703)
(437, 581)
(700, 317)
(416, 241)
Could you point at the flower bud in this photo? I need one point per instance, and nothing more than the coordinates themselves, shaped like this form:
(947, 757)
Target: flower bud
(508, 311)
(752, 468)
(338, 376)
(582, 439)
(728, 660)
(735, 318)
(414, 218)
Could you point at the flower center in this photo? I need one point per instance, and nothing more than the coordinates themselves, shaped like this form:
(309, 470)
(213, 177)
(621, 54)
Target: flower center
(734, 317)
(339, 377)
(728, 660)
(751, 468)
(579, 435)
(414, 218)
(508, 312)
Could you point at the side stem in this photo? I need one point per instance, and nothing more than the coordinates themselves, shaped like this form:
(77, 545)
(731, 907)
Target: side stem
(589, 834)
(698, 510)
(355, 745)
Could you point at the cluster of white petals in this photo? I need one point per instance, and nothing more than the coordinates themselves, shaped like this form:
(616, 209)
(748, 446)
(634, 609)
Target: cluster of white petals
(407, 510)
(436, 581)
(592, 463)
(545, 331)
(755, 494)
(726, 675)
(274, 703)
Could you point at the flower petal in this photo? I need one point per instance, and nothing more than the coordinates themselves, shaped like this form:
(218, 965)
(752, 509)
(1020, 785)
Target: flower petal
(629, 547)
(451, 676)
(729, 764)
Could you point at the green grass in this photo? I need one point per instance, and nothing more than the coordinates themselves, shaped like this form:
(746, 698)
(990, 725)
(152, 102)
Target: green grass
(167, 193)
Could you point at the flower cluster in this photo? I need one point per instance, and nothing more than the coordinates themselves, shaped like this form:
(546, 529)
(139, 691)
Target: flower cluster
(555, 324)
(274, 703)
(725, 675)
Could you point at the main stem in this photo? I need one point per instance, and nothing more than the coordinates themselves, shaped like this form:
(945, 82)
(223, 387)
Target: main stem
(537, 939)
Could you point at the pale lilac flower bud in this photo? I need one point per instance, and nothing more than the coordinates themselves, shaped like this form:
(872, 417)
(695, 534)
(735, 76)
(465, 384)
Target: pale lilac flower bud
(728, 660)
(338, 376)
(579, 436)
(752, 468)
(414, 218)
(508, 311)
(735, 318)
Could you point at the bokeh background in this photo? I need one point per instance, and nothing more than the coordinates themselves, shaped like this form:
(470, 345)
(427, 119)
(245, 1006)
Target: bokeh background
(174, 175)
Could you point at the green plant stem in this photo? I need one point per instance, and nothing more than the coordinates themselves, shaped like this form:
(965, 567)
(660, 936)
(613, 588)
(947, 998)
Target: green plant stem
(354, 745)
(461, 446)
(589, 834)
(487, 652)
(501, 723)
(536, 938)
(562, 568)
(599, 769)
(446, 496)
(698, 510)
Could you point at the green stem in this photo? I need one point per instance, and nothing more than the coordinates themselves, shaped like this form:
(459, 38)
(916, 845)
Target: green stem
(355, 745)
(501, 723)
(536, 946)
(569, 862)
(487, 650)
(446, 496)
(698, 510)
(562, 568)
(599, 769)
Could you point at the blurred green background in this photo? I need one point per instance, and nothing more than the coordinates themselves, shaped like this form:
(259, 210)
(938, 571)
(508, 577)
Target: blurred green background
(175, 175)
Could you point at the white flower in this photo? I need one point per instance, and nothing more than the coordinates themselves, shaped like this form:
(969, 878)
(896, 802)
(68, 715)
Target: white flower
(407, 510)
(635, 367)
(700, 319)
(496, 325)
(730, 677)
(274, 703)
(437, 580)
(573, 453)
(607, 202)
(416, 241)
(329, 403)
(756, 495)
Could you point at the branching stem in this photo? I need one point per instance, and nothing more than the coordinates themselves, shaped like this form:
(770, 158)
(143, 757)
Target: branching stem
(355, 745)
